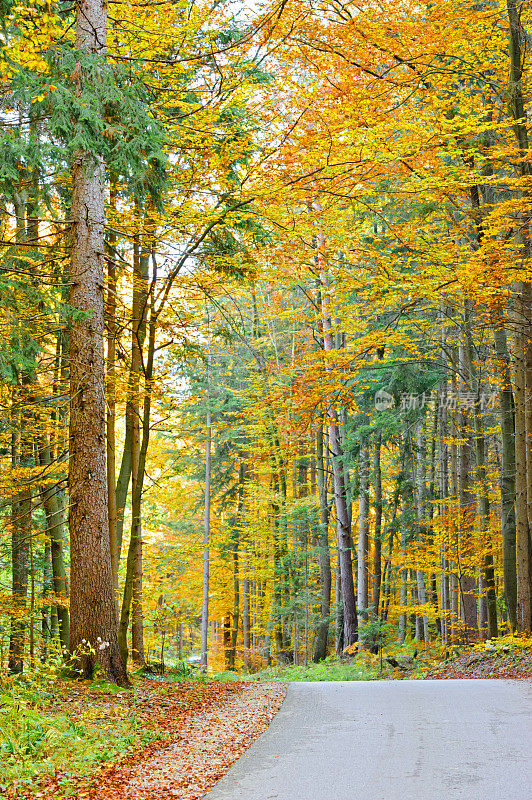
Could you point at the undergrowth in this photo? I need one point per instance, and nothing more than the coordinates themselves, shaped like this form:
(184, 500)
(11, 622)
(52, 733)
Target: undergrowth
(359, 666)
(49, 726)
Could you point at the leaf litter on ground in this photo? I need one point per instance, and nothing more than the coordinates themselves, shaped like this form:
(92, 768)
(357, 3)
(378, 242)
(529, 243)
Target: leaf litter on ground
(161, 740)
(204, 742)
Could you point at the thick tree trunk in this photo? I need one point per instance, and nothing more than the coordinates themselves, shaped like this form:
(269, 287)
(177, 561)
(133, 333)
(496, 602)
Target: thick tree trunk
(280, 623)
(93, 604)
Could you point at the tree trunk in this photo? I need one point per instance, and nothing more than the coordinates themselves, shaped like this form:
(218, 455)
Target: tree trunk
(488, 575)
(56, 533)
(508, 523)
(523, 449)
(466, 497)
(422, 623)
(363, 532)
(343, 525)
(206, 544)
(521, 452)
(377, 537)
(20, 529)
(93, 604)
(246, 613)
(135, 544)
(111, 396)
(122, 482)
(322, 634)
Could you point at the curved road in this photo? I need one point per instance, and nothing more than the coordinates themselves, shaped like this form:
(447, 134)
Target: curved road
(391, 740)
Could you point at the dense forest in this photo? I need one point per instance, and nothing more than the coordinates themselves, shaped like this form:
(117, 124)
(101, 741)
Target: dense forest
(266, 331)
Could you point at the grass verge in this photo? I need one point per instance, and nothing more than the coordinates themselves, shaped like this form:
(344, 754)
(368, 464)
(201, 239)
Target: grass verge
(56, 735)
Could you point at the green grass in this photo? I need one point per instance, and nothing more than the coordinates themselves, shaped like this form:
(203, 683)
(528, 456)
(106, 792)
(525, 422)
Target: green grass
(328, 670)
(362, 666)
(41, 736)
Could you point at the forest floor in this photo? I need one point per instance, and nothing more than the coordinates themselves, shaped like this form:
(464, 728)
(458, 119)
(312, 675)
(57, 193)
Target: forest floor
(171, 737)
(508, 665)
(160, 740)
(509, 657)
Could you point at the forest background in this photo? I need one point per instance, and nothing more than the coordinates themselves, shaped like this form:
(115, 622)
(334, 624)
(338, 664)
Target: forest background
(266, 343)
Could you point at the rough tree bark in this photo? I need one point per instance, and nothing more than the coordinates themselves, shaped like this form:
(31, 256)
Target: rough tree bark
(93, 605)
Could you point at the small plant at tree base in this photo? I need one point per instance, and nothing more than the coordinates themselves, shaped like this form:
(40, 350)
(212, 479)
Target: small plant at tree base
(374, 635)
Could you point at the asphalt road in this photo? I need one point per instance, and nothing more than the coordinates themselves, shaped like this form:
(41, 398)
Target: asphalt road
(391, 740)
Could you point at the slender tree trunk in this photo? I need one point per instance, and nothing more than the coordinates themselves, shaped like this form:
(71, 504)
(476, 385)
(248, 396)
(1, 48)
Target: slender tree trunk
(123, 480)
(466, 498)
(527, 620)
(246, 612)
(47, 588)
(137, 614)
(422, 623)
(488, 575)
(521, 460)
(340, 498)
(138, 335)
(56, 533)
(377, 537)
(508, 522)
(206, 544)
(236, 602)
(322, 635)
(138, 486)
(523, 450)
(111, 396)
(443, 480)
(363, 531)
(22, 458)
(20, 535)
